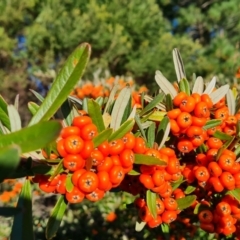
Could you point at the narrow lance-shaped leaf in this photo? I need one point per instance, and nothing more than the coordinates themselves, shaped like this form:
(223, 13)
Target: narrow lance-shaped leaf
(56, 217)
(148, 160)
(14, 117)
(231, 102)
(5, 119)
(33, 137)
(102, 137)
(151, 203)
(95, 113)
(124, 128)
(157, 116)
(9, 160)
(111, 98)
(64, 83)
(138, 122)
(163, 131)
(165, 85)
(152, 104)
(37, 95)
(219, 93)
(210, 86)
(198, 86)
(75, 100)
(16, 102)
(119, 107)
(127, 111)
(235, 193)
(222, 136)
(33, 107)
(185, 202)
(133, 113)
(178, 64)
(3, 104)
(212, 123)
(151, 135)
(184, 86)
(169, 103)
(22, 228)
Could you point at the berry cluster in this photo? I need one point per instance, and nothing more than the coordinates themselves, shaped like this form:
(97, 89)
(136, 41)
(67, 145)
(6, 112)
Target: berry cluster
(221, 218)
(92, 170)
(158, 179)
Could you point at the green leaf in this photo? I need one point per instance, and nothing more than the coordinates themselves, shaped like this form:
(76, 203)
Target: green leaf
(169, 103)
(33, 107)
(127, 111)
(14, 117)
(16, 102)
(33, 137)
(3, 104)
(163, 131)
(210, 87)
(122, 130)
(177, 183)
(189, 189)
(235, 193)
(22, 228)
(9, 211)
(237, 151)
(184, 86)
(67, 112)
(151, 135)
(157, 116)
(224, 146)
(151, 202)
(148, 160)
(138, 122)
(102, 137)
(152, 104)
(133, 173)
(165, 85)
(56, 217)
(139, 226)
(198, 86)
(5, 119)
(95, 113)
(37, 95)
(9, 160)
(219, 93)
(119, 107)
(186, 202)
(111, 98)
(178, 64)
(69, 184)
(212, 123)
(59, 168)
(231, 102)
(64, 83)
(75, 100)
(222, 136)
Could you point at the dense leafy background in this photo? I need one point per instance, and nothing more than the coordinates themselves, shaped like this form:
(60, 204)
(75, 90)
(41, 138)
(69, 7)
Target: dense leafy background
(127, 37)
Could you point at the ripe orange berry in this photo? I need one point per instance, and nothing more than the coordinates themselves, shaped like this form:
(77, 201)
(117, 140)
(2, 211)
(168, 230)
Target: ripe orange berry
(185, 146)
(184, 120)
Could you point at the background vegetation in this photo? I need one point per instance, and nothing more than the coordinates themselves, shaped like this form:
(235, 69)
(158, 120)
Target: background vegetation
(128, 38)
(133, 38)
